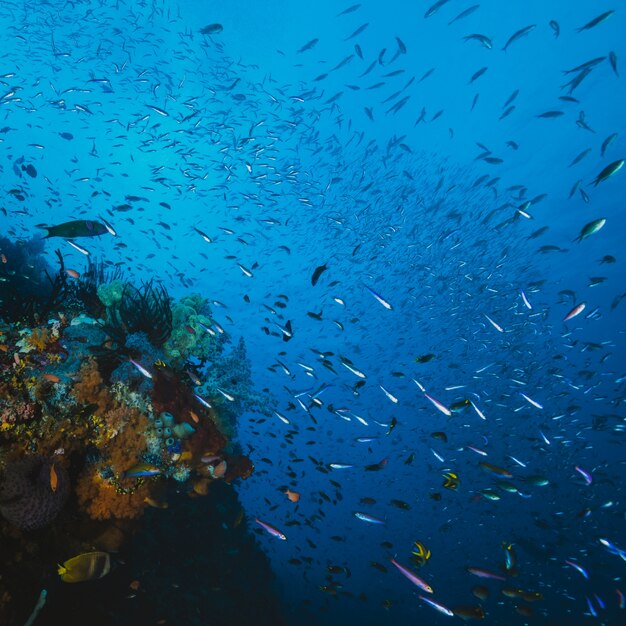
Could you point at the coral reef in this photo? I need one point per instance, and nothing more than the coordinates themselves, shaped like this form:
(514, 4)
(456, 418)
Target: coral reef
(194, 333)
(103, 413)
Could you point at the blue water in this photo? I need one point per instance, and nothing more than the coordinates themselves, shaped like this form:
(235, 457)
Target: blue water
(448, 220)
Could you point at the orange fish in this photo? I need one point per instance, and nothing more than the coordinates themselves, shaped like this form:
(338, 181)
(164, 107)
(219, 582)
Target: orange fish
(73, 273)
(294, 496)
(4, 348)
(194, 417)
(52, 378)
(219, 470)
(135, 585)
(54, 479)
(4, 259)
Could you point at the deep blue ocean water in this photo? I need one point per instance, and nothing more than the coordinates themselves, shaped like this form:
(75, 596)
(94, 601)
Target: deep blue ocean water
(447, 226)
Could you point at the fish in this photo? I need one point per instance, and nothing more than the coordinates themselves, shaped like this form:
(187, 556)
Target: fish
(578, 568)
(463, 14)
(141, 369)
(54, 479)
(351, 9)
(212, 29)
(424, 358)
(419, 554)
(608, 171)
(380, 299)
(494, 324)
(435, 7)
(308, 46)
(85, 567)
(577, 310)
(451, 481)
(142, 470)
(364, 517)
(444, 409)
(607, 142)
(556, 29)
(412, 576)
(483, 573)
(272, 530)
(75, 229)
(358, 31)
(531, 401)
(293, 496)
(519, 34)
(436, 605)
(586, 475)
(483, 39)
(317, 273)
(78, 248)
(494, 469)
(596, 20)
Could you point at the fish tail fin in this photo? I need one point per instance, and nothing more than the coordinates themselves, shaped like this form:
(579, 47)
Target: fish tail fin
(48, 230)
(61, 570)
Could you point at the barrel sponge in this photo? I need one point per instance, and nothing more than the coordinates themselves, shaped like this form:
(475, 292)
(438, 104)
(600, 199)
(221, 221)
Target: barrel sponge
(27, 497)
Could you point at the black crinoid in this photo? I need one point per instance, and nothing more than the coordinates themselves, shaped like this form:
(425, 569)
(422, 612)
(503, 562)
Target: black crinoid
(30, 290)
(144, 311)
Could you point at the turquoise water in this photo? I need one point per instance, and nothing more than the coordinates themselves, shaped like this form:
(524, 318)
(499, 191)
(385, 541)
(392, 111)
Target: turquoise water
(441, 184)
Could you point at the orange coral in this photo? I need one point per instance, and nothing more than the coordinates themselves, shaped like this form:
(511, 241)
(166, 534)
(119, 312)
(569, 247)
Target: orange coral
(102, 500)
(90, 388)
(123, 450)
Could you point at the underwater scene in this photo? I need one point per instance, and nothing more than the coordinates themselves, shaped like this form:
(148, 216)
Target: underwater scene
(312, 313)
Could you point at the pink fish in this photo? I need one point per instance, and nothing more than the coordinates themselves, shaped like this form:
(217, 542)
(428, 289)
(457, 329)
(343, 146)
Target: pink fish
(272, 530)
(579, 308)
(444, 409)
(141, 368)
(586, 475)
(483, 573)
(414, 578)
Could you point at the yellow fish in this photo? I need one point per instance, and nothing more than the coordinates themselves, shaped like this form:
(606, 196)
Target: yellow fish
(84, 567)
(451, 481)
(420, 554)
